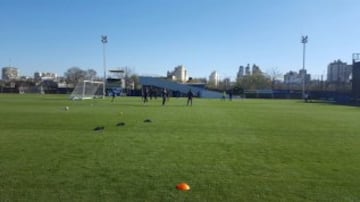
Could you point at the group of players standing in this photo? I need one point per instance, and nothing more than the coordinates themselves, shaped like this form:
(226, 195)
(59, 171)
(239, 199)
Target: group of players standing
(150, 93)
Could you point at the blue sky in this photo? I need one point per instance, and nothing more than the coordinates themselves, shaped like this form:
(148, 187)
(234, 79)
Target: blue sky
(153, 36)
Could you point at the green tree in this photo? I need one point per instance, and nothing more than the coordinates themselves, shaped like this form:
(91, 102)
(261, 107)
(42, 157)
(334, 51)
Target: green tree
(254, 82)
(75, 74)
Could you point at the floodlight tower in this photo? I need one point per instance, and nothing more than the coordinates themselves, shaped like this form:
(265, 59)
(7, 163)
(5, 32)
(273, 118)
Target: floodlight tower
(304, 40)
(104, 41)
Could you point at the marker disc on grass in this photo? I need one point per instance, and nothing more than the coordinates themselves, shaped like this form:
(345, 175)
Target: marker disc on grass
(183, 186)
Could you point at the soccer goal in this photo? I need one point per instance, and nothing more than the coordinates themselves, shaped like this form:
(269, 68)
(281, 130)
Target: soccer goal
(87, 89)
(31, 90)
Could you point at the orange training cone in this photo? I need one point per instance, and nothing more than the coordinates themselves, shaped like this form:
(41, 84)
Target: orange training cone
(183, 186)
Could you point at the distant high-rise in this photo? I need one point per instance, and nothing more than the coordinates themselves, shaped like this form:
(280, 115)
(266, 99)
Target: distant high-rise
(178, 74)
(294, 78)
(256, 69)
(247, 70)
(339, 71)
(303, 73)
(10, 73)
(214, 78)
(356, 75)
(38, 76)
(240, 73)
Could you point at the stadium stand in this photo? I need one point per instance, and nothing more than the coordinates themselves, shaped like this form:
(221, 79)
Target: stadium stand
(177, 87)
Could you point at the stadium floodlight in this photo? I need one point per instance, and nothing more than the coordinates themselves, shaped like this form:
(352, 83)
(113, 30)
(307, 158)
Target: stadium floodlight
(104, 41)
(304, 40)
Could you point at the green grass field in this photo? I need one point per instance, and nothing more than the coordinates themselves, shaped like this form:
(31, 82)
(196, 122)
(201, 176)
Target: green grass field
(244, 150)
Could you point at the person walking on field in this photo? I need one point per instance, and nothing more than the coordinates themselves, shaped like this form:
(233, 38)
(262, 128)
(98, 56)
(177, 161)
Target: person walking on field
(164, 95)
(145, 94)
(224, 95)
(113, 94)
(230, 95)
(190, 97)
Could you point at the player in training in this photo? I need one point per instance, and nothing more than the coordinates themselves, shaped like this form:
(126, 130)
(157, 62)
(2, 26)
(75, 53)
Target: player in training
(145, 94)
(113, 94)
(190, 96)
(164, 95)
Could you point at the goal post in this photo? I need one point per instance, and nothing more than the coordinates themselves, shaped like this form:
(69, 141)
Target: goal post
(88, 89)
(31, 89)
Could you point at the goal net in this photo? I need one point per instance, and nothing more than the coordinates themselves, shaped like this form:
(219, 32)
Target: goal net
(31, 89)
(88, 90)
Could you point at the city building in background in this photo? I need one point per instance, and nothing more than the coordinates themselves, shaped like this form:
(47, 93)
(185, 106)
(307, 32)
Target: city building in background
(214, 79)
(295, 79)
(356, 76)
(240, 73)
(247, 70)
(10, 73)
(256, 69)
(178, 74)
(339, 72)
(41, 76)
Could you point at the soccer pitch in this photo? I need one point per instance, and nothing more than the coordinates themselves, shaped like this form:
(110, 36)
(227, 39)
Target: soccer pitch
(240, 150)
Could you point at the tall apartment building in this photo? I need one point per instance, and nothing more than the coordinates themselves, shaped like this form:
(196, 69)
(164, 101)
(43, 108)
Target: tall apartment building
(294, 78)
(256, 69)
(10, 73)
(178, 74)
(356, 76)
(240, 73)
(247, 70)
(214, 78)
(339, 71)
